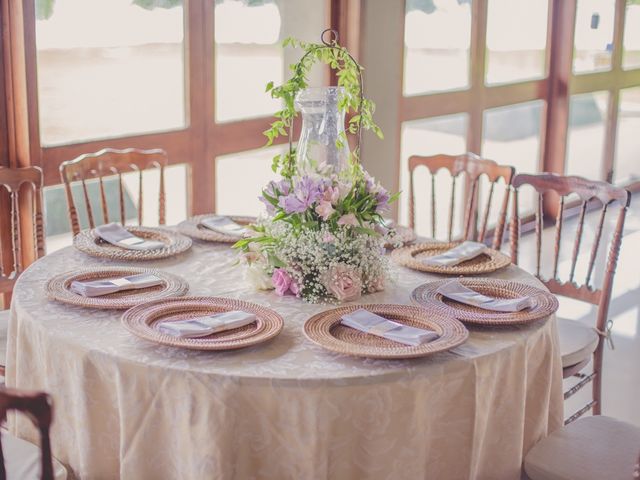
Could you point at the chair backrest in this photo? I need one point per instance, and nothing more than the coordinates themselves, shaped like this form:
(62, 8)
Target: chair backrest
(587, 191)
(15, 181)
(474, 168)
(110, 163)
(39, 408)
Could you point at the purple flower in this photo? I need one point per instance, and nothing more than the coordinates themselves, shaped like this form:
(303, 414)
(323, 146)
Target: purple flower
(382, 199)
(274, 190)
(305, 193)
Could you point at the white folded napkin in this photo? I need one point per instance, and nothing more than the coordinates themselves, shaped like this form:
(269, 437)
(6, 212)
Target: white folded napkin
(373, 324)
(224, 225)
(95, 288)
(458, 292)
(463, 252)
(210, 324)
(119, 236)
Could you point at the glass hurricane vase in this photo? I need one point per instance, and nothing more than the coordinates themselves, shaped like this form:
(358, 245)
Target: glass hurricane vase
(322, 129)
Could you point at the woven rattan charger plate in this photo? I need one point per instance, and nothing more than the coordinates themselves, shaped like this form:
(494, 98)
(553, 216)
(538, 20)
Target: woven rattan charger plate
(544, 303)
(192, 228)
(412, 257)
(325, 330)
(58, 288)
(88, 242)
(140, 321)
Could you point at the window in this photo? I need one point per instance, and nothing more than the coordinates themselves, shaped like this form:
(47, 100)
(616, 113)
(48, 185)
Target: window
(437, 36)
(118, 71)
(516, 40)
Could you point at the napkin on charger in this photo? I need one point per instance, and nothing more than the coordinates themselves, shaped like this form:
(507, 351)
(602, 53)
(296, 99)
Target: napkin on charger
(461, 253)
(119, 236)
(203, 326)
(458, 292)
(369, 322)
(224, 225)
(95, 288)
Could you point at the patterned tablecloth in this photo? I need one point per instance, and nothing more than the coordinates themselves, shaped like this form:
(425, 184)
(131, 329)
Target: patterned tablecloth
(126, 408)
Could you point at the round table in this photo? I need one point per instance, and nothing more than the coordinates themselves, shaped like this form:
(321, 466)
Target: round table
(286, 409)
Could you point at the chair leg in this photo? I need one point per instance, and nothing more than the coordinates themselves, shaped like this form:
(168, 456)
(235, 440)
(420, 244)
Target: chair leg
(597, 380)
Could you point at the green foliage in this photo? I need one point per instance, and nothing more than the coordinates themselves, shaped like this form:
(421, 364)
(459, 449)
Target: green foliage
(348, 74)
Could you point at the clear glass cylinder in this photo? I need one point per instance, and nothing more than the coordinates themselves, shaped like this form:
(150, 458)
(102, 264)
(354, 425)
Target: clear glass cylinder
(322, 128)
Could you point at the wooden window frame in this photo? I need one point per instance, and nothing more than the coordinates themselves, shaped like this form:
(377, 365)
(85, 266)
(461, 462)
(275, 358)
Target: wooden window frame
(198, 144)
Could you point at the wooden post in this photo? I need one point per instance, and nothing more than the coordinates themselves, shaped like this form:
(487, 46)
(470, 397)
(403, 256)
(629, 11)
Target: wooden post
(20, 113)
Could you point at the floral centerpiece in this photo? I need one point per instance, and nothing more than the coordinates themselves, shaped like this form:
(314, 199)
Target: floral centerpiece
(325, 233)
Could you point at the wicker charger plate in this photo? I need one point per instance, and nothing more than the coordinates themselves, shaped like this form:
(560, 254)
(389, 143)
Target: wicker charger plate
(544, 303)
(412, 256)
(192, 228)
(140, 321)
(88, 242)
(58, 288)
(325, 330)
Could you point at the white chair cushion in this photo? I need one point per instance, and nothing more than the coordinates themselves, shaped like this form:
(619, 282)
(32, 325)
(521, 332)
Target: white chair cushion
(577, 341)
(591, 448)
(4, 329)
(22, 460)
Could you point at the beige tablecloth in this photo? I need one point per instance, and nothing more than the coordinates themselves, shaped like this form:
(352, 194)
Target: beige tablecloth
(284, 410)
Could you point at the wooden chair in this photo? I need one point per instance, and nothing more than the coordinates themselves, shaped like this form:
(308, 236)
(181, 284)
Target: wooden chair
(110, 163)
(20, 459)
(579, 344)
(15, 181)
(591, 448)
(473, 167)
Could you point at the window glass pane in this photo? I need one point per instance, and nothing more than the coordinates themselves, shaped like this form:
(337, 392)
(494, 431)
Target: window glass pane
(240, 178)
(627, 167)
(516, 40)
(58, 229)
(631, 52)
(437, 35)
(431, 136)
(108, 68)
(585, 141)
(593, 35)
(511, 136)
(249, 54)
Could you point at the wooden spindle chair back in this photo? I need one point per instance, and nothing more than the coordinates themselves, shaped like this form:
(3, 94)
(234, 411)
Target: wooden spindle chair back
(473, 167)
(18, 182)
(38, 407)
(111, 163)
(588, 192)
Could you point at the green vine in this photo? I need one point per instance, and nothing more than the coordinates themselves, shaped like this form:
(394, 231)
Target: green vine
(348, 74)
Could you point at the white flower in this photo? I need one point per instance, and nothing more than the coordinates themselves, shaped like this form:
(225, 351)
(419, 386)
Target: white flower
(257, 277)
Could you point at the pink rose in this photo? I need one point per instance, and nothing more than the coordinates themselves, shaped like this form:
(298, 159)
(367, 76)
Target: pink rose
(324, 209)
(281, 281)
(348, 219)
(343, 282)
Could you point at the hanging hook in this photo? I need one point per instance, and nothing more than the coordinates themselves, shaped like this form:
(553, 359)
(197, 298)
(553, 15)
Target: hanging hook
(333, 37)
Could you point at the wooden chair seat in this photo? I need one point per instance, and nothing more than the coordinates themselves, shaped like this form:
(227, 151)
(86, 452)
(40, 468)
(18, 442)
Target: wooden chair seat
(577, 341)
(23, 459)
(591, 448)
